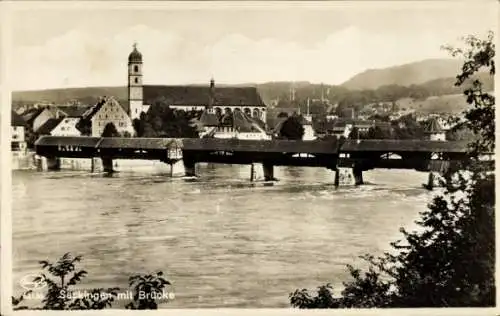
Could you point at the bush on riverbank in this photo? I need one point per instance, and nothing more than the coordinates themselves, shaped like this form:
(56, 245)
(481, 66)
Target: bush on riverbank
(61, 289)
(450, 261)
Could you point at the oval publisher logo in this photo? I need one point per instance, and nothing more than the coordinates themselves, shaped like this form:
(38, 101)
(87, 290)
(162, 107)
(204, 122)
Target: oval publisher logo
(32, 281)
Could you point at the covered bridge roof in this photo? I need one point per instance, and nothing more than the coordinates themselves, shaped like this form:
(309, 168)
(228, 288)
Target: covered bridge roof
(138, 143)
(277, 146)
(379, 145)
(67, 141)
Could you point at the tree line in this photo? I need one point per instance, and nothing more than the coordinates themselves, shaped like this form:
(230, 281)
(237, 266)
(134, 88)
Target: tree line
(450, 261)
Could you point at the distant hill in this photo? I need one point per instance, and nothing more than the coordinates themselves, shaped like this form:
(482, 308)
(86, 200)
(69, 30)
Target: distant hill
(452, 103)
(420, 81)
(405, 75)
(87, 95)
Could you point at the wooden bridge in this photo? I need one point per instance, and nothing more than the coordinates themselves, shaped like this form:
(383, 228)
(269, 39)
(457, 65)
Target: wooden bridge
(437, 156)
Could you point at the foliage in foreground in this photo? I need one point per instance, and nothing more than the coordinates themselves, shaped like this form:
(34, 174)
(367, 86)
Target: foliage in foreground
(62, 284)
(450, 261)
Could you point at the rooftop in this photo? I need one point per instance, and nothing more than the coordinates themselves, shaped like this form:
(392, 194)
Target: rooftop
(48, 126)
(200, 95)
(16, 119)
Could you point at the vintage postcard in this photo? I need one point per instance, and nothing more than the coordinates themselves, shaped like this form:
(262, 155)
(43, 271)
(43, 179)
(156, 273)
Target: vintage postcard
(268, 157)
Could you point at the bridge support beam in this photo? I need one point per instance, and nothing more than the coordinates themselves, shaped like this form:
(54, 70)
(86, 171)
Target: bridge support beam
(268, 172)
(107, 164)
(53, 163)
(189, 168)
(252, 172)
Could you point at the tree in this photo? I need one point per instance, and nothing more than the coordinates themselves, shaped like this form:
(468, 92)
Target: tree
(61, 293)
(110, 131)
(162, 121)
(407, 127)
(354, 134)
(292, 128)
(153, 284)
(377, 132)
(282, 115)
(62, 277)
(450, 260)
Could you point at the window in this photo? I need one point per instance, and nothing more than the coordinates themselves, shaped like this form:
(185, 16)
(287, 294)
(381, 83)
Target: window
(136, 80)
(136, 68)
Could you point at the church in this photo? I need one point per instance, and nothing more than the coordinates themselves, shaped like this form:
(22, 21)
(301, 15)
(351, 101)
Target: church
(223, 100)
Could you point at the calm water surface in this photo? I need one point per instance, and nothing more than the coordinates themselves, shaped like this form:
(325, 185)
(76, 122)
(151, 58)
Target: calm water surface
(221, 240)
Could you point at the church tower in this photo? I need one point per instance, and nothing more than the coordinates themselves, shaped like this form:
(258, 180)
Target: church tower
(135, 97)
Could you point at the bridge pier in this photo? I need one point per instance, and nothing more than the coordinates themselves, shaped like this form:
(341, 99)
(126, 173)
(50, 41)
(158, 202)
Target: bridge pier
(53, 163)
(430, 181)
(358, 175)
(107, 164)
(268, 172)
(252, 172)
(337, 178)
(189, 168)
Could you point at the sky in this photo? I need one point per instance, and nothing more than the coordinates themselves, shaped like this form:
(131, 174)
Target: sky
(57, 47)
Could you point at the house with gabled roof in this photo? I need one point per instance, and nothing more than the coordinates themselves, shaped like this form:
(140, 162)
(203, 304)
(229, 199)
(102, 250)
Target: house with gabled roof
(48, 126)
(17, 135)
(107, 110)
(434, 131)
(235, 124)
(70, 117)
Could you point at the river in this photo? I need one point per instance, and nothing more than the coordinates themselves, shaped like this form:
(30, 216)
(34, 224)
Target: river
(221, 240)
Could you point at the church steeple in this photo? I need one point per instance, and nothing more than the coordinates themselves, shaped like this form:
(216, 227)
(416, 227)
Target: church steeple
(211, 98)
(135, 93)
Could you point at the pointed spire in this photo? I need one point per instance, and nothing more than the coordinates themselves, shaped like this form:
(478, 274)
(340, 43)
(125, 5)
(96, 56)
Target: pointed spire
(211, 100)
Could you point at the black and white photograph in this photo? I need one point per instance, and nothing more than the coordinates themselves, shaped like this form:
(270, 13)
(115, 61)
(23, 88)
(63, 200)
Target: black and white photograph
(248, 155)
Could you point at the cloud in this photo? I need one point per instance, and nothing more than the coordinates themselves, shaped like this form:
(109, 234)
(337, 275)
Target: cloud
(81, 58)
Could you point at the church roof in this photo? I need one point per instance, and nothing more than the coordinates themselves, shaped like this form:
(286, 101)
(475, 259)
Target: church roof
(135, 56)
(433, 126)
(200, 95)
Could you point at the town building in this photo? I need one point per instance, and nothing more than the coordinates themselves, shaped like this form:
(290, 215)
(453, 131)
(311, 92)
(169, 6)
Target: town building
(48, 126)
(344, 127)
(67, 127)
(307, 124)
(70, 117)
(224, 100)
(29, 116)
(17, 136)
(45, 115)
(234, 124)
(107, 110)
(309, 133)
(434, 130)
